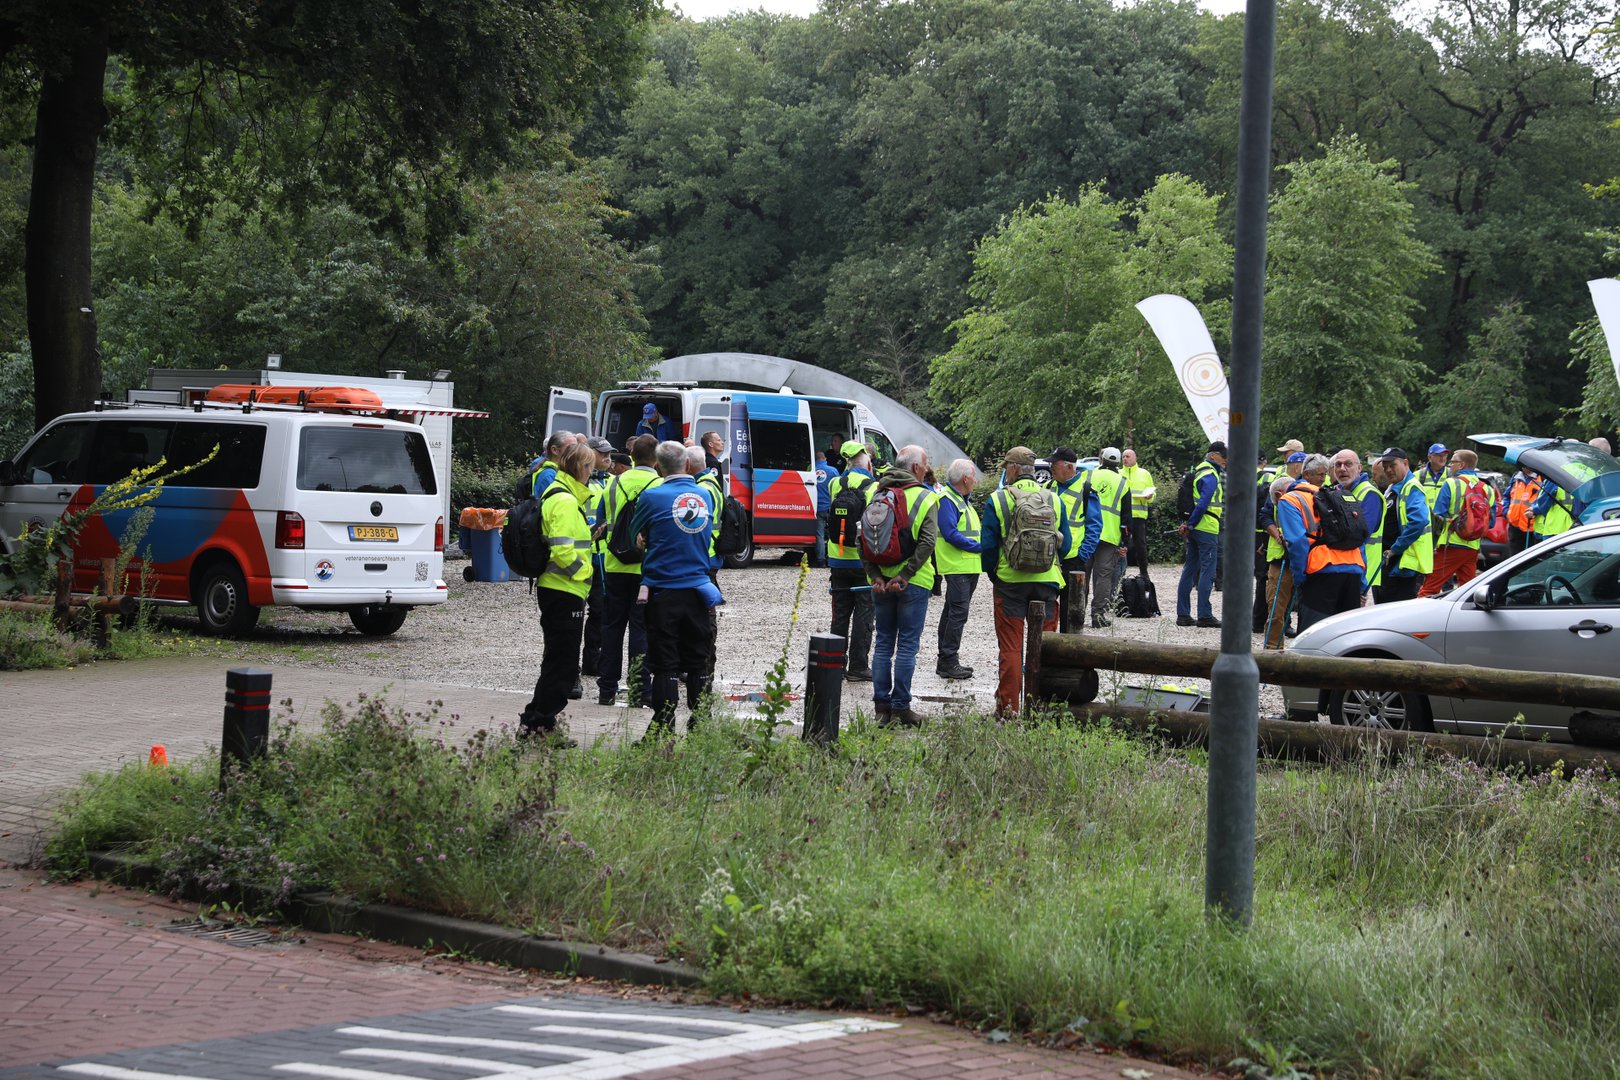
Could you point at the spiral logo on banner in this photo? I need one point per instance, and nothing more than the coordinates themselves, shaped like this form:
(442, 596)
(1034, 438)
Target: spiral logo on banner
(1202, 375)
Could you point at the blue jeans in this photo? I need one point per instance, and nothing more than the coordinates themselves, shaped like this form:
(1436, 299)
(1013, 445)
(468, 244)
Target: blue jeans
(899, 619)
(1198, 565)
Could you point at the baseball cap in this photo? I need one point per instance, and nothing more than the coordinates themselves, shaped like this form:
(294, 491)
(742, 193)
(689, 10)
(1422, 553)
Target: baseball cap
(852, 448)
(599, 444)
(1393, 452)
(1438, 448)
(1110, 453)
(1217, 447)
(649, 409)
(1063, 453)
(619, 457)
(1020, 455)
(1292, 446)
(1296, 456)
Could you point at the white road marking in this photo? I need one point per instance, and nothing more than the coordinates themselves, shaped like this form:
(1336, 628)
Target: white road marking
(635, 1017)
(471, 1040)
(113, 1072)
(484, 1065)
(614, 1033)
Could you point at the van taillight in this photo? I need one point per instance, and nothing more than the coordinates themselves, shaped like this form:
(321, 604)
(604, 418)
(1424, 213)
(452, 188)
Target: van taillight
(290, 529)
(438, 535)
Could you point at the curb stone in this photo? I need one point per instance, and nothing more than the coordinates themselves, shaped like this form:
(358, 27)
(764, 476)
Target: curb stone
(329, 913)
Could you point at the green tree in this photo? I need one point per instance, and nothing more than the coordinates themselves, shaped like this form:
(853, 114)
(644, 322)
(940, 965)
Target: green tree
(1054, 348)
(397, 100)
(1486, 392)
(1342, 265)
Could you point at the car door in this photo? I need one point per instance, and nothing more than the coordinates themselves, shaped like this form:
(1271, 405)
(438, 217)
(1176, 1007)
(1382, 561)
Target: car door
(45, 477)
(568, 410)
(1556, 611)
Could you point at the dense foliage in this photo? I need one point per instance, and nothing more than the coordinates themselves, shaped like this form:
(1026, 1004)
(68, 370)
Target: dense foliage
(1422, 919)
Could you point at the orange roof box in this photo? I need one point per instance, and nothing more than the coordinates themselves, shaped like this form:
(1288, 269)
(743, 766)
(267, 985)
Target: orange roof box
(325, 398)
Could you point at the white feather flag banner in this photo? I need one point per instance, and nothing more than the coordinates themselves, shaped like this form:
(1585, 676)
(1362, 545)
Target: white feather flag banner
(1185, 338)
(1606, 298)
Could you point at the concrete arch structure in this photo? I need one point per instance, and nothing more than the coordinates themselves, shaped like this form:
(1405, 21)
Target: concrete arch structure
(780, 373)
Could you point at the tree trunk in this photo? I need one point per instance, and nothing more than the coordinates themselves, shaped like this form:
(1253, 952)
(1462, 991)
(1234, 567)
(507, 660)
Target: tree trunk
(61, 316)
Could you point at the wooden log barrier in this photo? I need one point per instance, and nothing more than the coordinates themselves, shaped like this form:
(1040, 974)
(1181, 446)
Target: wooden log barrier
(1336, 672)
(1327, 742)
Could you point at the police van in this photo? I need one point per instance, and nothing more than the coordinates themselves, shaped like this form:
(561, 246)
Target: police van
(772, 440)
(317, 498)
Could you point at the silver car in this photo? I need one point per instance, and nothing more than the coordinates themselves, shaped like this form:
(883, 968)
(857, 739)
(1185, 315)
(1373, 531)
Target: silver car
(1553, 607)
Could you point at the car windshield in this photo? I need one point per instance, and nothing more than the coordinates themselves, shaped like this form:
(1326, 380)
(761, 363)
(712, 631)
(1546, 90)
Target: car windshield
(1569, 462)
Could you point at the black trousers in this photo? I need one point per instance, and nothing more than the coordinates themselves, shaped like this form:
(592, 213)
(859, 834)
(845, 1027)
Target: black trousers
(620, 612)
(1402, 587)
(1136, 545)
(590, 656)
(953, 618)
(677, 641)
(1327, 594)
(562, 625)
(852, 615)
(1262, 610)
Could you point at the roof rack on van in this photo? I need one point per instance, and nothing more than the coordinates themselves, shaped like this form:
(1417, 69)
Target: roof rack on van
(654, 384)
(242, 397)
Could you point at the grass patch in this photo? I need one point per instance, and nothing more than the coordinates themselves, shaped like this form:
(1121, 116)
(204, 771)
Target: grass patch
(1420, 919)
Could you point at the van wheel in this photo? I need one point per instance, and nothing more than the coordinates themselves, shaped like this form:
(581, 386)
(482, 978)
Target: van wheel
(743, 558)
(222, 601)
(375, 621)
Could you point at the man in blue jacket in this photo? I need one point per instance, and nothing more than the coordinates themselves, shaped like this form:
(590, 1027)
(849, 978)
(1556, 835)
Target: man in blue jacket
(1409, 558)
(653, 424)
(1202, 532)
(674, 517)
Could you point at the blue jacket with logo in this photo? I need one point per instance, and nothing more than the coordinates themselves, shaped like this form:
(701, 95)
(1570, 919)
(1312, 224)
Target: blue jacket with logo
(678, 517)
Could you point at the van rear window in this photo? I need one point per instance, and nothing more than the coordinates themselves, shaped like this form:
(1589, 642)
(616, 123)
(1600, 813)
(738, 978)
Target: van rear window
(778, 444)
(237, 465)
(372, 460)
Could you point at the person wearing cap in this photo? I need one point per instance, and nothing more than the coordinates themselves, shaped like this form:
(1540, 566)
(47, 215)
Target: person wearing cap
(1107, 562)
(1328, 580)
(1455, 556)
(1358, 487)
(621, 583)
(851, 595)
(1202, 533)
(1409, 556)
(653, 424)
(1432, 477)
(1077, 504)
(675, 518)
(824, 477)
(956, 556)
(1015, 590)
(1142, 494)
(900, 592)
(1292, 446)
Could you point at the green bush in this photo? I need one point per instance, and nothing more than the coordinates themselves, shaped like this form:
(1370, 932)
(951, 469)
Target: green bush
(1427, 918)
(475, 484)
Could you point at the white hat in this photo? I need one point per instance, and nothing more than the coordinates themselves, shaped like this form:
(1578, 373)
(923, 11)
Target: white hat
(1110, 453)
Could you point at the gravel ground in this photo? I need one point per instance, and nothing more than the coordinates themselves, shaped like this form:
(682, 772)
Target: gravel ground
(488, 635)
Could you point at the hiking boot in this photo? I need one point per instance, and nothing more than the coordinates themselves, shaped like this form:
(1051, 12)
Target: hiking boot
(578, 691)
(1185, 620)
(606, 697)
(1100, 621)
(1208, 624)
(880, 713)
(954, 672)
(863, 675)
(901, 718)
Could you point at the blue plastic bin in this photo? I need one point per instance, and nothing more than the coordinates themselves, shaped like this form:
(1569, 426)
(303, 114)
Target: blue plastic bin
(488, 559)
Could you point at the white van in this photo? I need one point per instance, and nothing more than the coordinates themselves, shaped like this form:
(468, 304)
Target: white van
(772, 441)
(306, 507)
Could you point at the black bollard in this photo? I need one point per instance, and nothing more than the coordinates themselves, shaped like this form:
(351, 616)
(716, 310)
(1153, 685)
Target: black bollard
(247, 719)
(824, 688)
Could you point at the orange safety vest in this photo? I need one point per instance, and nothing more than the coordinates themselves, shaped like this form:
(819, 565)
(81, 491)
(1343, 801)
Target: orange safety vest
(1301, 497)
(1522, 497)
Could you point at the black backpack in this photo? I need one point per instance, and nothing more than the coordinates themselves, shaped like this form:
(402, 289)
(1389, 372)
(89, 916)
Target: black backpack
(844, 515)
(523, 537)
(1186, 496)
(1138, 599)
(734, 530)
(1339, 523)
(621, 541)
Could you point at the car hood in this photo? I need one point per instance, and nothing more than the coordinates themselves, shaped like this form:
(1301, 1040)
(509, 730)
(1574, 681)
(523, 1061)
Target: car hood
(1585, 472)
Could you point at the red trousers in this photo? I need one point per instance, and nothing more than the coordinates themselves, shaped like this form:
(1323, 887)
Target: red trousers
(1010, 633)
(1451, 559)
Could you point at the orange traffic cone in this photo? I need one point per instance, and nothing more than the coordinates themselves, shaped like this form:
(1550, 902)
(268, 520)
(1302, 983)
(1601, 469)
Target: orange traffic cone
(159, 756)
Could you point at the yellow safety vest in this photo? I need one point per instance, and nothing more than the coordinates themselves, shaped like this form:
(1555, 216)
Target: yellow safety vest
(1558, 518)
(1459, 489)
(710, 479)
(597, 491)
(1210, 522)
(625, 486)
(947, 556)
(1002, 503)
(1071, 503)
(919, 499)
(1110, 488)
(1431, 485)
(1372, 552)
(859, 482)
(1142, 489)
(1420, 556)
(568, 537)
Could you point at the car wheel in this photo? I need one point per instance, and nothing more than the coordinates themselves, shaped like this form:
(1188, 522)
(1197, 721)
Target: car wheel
(222, 601)
(743, 558)
(1380, 709)
(375, 621)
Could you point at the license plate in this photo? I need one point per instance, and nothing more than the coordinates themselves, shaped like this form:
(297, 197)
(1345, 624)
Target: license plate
(373, 532)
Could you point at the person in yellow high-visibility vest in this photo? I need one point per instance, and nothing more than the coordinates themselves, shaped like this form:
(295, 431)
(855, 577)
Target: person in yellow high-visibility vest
(1142, 495)
(1202, 532)
(1108, 563)
(956, 556)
